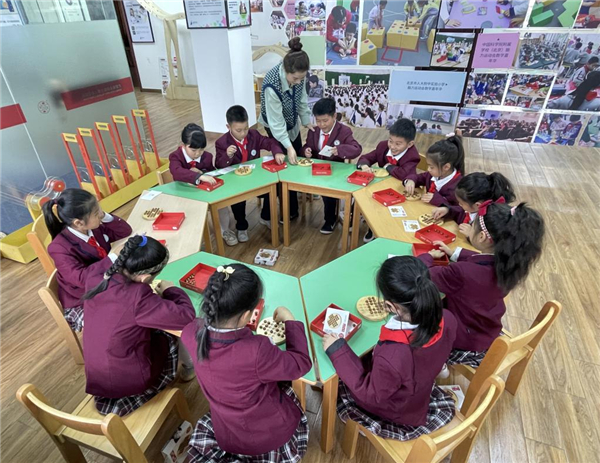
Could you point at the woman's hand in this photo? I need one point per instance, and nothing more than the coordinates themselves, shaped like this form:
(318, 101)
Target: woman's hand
(439, 212)
(208, 179)
(410, 186)
(328, 340)
(282, 314)
(292, 156)
(280, 158)
(310, 127)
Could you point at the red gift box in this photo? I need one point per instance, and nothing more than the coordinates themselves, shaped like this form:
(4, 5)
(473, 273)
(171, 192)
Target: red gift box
(435, 233)
(272, 166)
(201, 273)
(354, 323)
(388, 197)
(208, 187)
(321, 169)
(168, 221)
(361, 178)
(418, 249)
(256, 314)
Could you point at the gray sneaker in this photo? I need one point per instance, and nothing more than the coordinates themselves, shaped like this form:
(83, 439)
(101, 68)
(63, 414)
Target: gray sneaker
(242, 236)
(266, 223)
(229, 237)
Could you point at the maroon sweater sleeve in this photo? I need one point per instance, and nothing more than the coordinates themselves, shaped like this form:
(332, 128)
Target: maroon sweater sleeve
(274, 364)
(408, 164)
(221, 158)
(266, 143)
(312, 141)
(116, 230)
(373, 157)
(172, 311)
(449, 280)
(180, 170)
(419, 179)
(348, 148)
(455, 213)
(71, 269)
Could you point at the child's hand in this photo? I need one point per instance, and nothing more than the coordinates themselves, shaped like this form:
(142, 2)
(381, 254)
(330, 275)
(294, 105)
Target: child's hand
(231, 150)
(410, 186)
(437, 254)
(328, 340)
(282, 314)
(195, 169)
(280, 158)
(366, 168)
(443, 247)
(439, 212)
(427, 197)
(465, 229)
(292, 156)
(208, 179)
(334, 151)
(163, 286)
(308, 153)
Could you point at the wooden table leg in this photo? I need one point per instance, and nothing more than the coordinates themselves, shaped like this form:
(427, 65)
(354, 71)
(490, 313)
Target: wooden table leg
(217, 226)
(285, 199)
(355, 227)
(330, 393)
(274, 216)
(300, 390)
(346, 224)
(207, 240)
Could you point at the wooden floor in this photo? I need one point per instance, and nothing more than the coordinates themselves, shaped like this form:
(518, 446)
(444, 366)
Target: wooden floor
(555, 417)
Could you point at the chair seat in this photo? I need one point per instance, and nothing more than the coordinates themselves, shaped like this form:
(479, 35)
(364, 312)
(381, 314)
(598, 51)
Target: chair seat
(143, 423)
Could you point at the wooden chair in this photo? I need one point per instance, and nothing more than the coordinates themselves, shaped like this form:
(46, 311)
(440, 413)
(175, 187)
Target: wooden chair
(422, 165)
(124, 439)
(49, 295)
(164, 176)
(510, 353)
(457, 437)
(39, 238)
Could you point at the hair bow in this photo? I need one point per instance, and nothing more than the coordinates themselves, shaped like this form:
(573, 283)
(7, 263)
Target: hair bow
(483, 211)
(226, 270)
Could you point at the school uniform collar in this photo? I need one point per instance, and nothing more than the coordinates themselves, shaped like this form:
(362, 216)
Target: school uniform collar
(439, 183)
(244, 142)
(322, 134)
(403, 335)
(81, 236)
(397, 157)
(187, 158)
(472, 216)
(482, 259)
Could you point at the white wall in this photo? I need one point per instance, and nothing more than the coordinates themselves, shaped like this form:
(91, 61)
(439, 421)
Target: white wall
(148, 54)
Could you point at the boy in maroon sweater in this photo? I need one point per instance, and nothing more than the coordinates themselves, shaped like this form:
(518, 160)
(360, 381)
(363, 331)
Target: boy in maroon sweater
(333, 141)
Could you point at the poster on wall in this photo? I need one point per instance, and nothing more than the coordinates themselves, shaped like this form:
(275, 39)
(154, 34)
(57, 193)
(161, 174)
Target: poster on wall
(589, 15)
(481, 14)
(256, 6)
(495, 50)
(554, 13)
(9, 16)
(452, 49)
(497, 125)
(342, 33)
(431, 86)
(590, 137)
(72, 10)
(528, 91)
(205, 14)
(398, 33)
(485, 89)
(315, 89)
(138, 20)
(361, 95)
(434, 120)
(540, 50)
(238, 13)
(559, 129)
(165, 77)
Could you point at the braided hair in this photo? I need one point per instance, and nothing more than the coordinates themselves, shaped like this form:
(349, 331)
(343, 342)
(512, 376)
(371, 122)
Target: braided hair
(140, 255)
(405, 281)
(227, 296)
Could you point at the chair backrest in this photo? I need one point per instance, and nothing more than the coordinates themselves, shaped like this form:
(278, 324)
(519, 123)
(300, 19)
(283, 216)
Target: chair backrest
(49, 295)
(164, 176)
(422, 165)
(53, 420)
(39, 238)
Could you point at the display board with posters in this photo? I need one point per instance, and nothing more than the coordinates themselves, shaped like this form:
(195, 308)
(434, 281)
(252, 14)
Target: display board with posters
(205, 14)
(238, 13)
(432, 86)
(138, 21)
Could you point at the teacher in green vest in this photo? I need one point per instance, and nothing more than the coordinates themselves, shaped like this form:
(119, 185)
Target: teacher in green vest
(284, 108)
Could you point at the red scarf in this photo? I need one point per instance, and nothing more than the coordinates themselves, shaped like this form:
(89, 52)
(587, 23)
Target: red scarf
(392, 160)
(99, 249)
(243, 146)
(325, 140)
(403, 336)
(433, 188)
(193, 164)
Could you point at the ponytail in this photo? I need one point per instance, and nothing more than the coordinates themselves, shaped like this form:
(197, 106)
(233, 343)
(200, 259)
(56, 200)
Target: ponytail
(448, 151)
(405, 281)
(478, 186)
(72, 204)
(517, 234)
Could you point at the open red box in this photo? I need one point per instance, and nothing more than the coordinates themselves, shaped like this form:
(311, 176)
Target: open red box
(321, 169)
(354, 323)
(208, 187)
(361, 178)
(272, 166)
(388, 197)
(418, 249)
(435, 233)
(256, 314)
(201, 274)
(168, 221)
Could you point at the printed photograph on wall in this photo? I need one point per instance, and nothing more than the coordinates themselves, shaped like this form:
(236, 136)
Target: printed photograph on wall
(276, 3)
(540, 51)
(310, 9)
(485, 89)
(342, 33)
(495, 50)
(315, 88)
(481, 14)
(361, 97)
(589, 15)
(434, 120)
(528, 91)
(256, 6)
(559, 129)
(554, 13)
(497, 125)
(590, 137)
(277, 19)
(452, 50)
(398, 33)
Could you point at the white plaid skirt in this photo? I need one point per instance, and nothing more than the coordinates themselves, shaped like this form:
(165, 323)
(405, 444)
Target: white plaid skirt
(440, 413)
(466, 357)
(126, 405)
(74, 317)
(204, 447)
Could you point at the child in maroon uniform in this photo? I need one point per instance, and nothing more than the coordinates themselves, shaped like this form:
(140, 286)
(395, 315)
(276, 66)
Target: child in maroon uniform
(510, 241)
(81, 235)
(190, 162)
(392, 392)
(252, 417)
(336, 141)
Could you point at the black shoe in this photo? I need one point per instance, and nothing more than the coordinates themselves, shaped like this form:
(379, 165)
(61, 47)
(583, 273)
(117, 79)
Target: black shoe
(368, 236)
(327, 229)
(292, 218)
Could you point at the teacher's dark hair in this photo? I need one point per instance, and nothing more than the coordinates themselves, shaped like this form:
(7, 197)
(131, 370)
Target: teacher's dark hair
(296, 60)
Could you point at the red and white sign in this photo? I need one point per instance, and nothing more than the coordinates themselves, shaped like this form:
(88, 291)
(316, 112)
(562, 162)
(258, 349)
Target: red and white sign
(89, 95)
